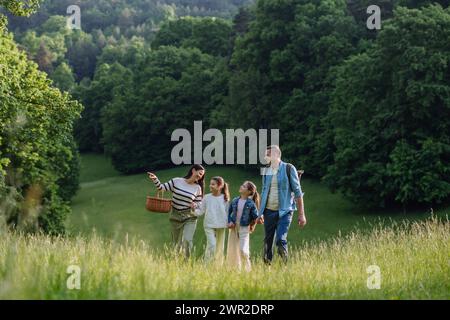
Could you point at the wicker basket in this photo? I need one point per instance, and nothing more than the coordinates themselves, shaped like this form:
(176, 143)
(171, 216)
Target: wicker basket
(158, 203)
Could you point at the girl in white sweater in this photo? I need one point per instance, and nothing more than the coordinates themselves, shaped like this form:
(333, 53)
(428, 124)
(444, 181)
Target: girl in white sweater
(215, 207)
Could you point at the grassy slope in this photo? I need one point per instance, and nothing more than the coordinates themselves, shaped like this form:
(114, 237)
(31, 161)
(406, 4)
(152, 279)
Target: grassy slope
(114, 206)
(413, 263)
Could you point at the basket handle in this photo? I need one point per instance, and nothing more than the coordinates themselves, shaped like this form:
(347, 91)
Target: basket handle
(160, 194)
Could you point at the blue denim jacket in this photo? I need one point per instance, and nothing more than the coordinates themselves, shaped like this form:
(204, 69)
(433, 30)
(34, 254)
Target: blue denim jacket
(249, 213)
(286, 196)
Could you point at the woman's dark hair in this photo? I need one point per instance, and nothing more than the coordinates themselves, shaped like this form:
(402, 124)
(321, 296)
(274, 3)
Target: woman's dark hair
(224, 187)
(200, 182)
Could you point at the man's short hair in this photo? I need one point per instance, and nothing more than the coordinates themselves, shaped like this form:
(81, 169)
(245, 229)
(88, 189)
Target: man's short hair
(275, 147)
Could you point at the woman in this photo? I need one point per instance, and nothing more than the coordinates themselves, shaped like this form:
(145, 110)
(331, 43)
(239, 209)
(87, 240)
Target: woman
(185, 192)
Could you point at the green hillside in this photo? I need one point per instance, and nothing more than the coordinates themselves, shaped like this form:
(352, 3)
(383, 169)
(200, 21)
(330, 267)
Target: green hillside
(113, 205)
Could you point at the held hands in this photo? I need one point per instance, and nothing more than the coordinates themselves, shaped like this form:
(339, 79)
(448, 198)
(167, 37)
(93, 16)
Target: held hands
(194, 206)
(231, 225)
(260, 220)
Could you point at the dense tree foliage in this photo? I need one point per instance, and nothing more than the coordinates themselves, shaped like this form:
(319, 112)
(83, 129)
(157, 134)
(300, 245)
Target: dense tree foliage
(103, 22)
(170, 89)
(281, 70)
(63, 77)
(17, 8)
(38, 156)
(119, 38)
(126, 58)
(358, 8)
(390, 114)
(109, 81)
(128, 15)
(210, 35)
(366, 110)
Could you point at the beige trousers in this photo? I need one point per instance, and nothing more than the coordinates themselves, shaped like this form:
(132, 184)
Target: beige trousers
(215, 243)
(238, 250)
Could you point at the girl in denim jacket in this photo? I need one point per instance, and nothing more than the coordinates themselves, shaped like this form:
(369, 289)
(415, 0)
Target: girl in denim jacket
(242, 216)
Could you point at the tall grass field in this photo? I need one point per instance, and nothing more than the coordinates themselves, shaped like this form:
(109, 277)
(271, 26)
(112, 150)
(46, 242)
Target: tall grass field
(117, 250)
(412, 261)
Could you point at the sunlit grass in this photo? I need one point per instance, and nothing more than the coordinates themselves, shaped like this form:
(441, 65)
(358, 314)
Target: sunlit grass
(413, 259)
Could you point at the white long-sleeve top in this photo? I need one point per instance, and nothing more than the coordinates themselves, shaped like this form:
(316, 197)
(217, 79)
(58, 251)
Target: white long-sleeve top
(215, 209)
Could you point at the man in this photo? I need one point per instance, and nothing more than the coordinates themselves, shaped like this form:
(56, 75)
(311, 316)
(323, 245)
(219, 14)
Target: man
(281, 196)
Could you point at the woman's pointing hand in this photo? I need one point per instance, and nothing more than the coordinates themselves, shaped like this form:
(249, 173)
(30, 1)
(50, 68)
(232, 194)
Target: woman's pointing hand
(152, 176)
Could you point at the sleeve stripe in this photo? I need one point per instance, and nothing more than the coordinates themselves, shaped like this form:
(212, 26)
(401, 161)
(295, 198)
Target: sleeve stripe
(164, 186)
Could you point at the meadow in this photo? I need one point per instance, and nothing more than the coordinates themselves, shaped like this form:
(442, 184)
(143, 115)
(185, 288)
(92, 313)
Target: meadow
(113, 206)
(413, 261)
(123, 252)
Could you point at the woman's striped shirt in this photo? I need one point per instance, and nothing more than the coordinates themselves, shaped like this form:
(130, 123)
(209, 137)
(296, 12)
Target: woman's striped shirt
(183, 193)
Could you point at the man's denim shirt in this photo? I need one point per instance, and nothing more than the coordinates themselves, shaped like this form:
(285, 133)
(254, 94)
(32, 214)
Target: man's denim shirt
(286, 195)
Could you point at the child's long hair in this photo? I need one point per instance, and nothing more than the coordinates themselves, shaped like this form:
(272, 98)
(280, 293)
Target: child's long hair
(253, 192)
(224, 187)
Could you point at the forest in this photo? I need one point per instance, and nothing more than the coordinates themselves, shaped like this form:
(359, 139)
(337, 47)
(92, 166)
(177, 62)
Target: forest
(367, 112)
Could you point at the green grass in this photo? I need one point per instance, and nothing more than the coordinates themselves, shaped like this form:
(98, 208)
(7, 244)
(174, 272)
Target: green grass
(96, 167)
(128, 257)
(113, 205)
(413, 261)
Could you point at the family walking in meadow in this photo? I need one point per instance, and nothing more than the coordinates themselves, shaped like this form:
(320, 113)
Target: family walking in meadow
(281, 195)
